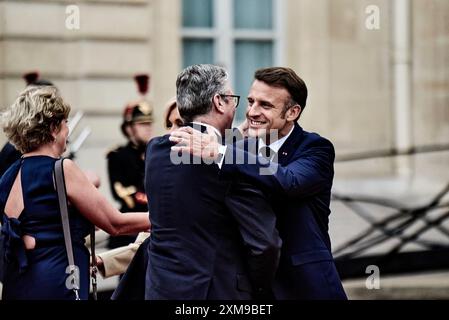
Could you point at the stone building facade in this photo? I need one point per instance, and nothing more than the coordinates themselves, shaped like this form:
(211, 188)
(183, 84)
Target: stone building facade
(349, 68)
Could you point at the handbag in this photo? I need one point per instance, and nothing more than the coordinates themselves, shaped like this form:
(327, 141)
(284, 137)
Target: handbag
(72, 281)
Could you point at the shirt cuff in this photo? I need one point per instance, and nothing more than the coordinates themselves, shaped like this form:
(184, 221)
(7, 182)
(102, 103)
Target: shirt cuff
(221, 153)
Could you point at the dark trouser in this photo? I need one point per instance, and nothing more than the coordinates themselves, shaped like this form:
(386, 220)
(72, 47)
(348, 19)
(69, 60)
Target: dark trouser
(1, 258)
(120, 241)
(132, 284)
(309, 281)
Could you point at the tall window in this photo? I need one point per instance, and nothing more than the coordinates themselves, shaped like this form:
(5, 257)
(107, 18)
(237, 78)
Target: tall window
(241, 35)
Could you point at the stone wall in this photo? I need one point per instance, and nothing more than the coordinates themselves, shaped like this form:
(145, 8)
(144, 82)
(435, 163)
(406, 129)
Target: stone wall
(93, 66)
(347, 67)
(349, 72)
(431, 83)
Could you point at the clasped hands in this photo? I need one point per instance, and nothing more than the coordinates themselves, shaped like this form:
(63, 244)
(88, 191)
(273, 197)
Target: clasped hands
(202, 145)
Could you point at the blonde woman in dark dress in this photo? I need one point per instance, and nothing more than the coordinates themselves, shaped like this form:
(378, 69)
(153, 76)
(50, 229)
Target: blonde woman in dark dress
(35, 254)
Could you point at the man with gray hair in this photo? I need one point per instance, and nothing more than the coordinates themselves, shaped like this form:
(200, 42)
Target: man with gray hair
(212, 238)
(300, 182)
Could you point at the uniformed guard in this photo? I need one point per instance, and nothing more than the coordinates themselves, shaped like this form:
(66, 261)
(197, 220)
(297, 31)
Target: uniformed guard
(126, 165)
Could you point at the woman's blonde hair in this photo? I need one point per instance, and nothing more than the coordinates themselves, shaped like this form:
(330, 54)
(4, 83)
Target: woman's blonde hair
(30, 121)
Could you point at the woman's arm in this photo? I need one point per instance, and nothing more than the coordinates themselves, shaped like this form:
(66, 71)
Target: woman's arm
(93, 205)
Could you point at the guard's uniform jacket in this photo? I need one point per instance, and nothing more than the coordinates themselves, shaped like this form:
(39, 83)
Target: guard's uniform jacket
(126, 168)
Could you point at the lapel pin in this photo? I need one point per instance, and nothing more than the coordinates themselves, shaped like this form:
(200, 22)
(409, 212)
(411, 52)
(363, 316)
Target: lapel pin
(284, 153)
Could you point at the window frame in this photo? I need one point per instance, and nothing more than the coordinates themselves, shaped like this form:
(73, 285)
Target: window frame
(224, 36)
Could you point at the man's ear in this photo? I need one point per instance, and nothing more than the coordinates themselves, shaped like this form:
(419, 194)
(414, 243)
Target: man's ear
(293, 112)
(129, 130)
(218, 104)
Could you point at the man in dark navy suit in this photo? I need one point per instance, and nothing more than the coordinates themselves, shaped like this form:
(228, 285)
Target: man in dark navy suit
(299, 177)
(212, 238)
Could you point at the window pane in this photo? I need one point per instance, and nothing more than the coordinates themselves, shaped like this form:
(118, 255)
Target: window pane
(196, 51)
(197, 13)
(249, 56)
(253, 14)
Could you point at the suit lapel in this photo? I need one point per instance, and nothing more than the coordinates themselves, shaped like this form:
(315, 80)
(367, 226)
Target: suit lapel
(290, 145)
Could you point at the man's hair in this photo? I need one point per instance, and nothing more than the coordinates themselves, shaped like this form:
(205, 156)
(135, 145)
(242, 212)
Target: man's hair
(195, 88)
(28, 123)
(285, 78)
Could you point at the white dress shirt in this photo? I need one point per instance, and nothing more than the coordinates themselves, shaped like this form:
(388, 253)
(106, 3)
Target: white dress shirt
(276, 145)
(221, 147)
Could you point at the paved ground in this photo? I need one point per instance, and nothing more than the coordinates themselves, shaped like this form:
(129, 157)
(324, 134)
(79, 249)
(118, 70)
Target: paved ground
(417, 286)
(414, 286)
(410, 190)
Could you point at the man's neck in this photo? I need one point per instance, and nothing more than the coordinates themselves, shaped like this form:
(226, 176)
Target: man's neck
(277, 143)
(269, 139)
(209, 128)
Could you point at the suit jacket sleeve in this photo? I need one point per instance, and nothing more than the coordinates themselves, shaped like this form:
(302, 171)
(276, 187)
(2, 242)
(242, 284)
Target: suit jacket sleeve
(308, 173)
(257, 225)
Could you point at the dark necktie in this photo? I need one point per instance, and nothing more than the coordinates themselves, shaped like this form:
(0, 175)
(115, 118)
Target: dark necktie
(267, 153)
